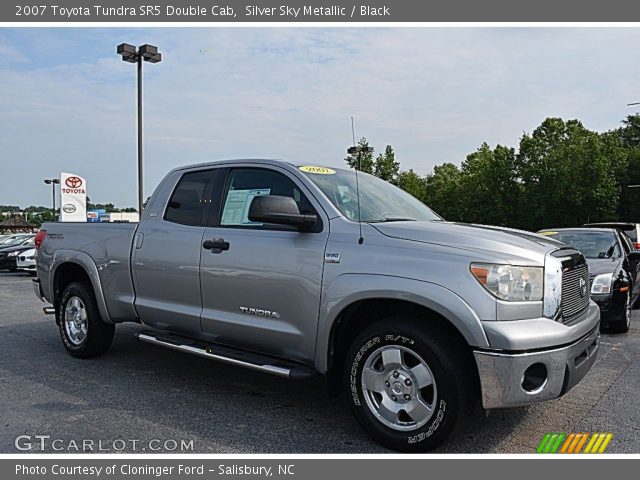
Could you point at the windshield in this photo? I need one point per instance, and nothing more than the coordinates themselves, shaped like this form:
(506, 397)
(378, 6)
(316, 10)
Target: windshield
(379, 200)
(590, 244)
(14, 241)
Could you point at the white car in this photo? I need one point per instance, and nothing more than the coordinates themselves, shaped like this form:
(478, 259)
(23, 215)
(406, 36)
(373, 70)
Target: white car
(26, 261)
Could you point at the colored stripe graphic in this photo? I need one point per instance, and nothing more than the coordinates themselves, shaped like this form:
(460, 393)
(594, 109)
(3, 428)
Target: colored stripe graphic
(574, 442)
(583, 440)
(591, 443)
(567, 442)
(543, 443)
(607, 439)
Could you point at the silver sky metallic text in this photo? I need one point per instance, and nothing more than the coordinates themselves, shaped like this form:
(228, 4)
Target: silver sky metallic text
(295, 12)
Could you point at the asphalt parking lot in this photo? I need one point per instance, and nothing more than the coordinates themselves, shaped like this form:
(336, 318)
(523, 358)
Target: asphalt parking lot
(142, 396)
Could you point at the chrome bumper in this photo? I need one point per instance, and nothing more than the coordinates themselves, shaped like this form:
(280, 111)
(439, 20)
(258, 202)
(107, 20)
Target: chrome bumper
(502, 374)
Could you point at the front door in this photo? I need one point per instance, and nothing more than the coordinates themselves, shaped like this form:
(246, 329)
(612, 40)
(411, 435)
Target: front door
(261, 283)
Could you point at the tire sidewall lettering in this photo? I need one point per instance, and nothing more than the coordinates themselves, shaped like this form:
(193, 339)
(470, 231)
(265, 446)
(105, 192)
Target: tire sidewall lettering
(354, 389)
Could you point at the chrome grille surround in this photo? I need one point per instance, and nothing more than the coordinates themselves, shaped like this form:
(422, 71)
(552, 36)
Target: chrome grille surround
(576, 285)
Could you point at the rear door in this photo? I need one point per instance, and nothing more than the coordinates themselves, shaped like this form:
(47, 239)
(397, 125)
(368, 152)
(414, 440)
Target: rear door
(166, 256)
(261, 289)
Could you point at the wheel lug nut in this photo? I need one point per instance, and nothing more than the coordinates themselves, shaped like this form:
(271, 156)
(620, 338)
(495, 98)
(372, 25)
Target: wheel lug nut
(407, 382)
(396, 374)
(407, 396)
(387, 383)
(394, 398)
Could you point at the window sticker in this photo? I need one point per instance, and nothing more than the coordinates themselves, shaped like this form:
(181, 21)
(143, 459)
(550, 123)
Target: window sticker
(317, 170)
(236, 207)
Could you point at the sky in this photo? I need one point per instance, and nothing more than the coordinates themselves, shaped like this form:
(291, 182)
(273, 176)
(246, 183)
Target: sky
(67, 101)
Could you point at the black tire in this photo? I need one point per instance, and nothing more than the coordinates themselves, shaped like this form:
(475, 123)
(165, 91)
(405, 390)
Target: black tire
(622, 324)
(453, 395)
(98, 336)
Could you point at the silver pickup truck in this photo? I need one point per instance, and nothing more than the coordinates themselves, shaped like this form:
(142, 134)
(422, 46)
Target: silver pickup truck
(302, 270)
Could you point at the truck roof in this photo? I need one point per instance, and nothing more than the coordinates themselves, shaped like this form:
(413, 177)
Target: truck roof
(260, 161)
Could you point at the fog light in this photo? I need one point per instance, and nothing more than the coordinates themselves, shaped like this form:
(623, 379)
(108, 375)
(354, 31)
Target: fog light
(534, 378)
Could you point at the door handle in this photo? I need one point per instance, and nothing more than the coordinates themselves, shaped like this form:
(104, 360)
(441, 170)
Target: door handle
(216, 246)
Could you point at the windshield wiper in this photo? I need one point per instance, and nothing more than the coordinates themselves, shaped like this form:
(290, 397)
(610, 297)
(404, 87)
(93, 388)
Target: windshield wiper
(393, 219)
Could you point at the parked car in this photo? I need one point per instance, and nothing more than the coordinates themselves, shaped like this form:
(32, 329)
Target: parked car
(9, 255)
(613, 270)
(26, 261)
(632, 230)
(15, 239)
(265, 264)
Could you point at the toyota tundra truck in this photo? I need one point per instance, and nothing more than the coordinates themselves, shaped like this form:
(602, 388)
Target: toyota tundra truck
(304, 270)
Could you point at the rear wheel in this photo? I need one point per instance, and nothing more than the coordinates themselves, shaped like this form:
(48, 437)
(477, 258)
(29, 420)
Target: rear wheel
(624, 322)
(408, 387)
(82, 330)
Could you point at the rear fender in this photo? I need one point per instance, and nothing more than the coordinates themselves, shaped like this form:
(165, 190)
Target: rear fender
(82, 259)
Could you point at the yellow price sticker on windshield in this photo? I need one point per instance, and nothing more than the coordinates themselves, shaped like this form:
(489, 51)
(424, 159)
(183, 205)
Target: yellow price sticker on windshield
(317, 170)
(548, 233)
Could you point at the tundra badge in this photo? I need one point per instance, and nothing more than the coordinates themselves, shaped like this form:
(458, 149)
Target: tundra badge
(260, 312)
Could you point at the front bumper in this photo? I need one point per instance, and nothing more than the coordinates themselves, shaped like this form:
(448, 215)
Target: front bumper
(611, 306)
(503, 374)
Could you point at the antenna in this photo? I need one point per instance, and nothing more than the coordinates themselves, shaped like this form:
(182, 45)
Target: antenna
(357, 150)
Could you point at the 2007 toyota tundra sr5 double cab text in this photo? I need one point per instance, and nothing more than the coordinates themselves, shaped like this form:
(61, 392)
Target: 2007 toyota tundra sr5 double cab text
(264, 264)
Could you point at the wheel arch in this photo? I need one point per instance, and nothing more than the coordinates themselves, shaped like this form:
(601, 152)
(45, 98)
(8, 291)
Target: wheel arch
(70, 266)
(353, 310)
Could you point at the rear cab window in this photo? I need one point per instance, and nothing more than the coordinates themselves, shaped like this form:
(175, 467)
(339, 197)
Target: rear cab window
(188, 205)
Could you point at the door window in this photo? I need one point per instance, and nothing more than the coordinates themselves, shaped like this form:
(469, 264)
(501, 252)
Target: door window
(626, 243)
(188, 203)
(244, 184)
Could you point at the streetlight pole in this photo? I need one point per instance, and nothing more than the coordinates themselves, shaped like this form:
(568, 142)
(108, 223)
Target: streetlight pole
(148, 53)
(53, 182)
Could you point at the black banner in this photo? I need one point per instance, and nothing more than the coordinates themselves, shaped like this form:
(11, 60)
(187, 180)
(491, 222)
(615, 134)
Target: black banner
(233, 11)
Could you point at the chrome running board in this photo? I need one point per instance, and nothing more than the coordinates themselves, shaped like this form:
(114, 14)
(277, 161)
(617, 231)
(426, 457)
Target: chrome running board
(231, 356)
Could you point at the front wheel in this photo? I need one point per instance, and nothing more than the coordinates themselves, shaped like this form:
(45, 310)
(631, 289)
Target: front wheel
(624, 322)
(82, 330)
(408, 386)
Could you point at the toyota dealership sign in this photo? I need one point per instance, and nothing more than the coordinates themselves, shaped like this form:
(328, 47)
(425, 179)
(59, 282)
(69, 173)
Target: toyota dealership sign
(73, 198)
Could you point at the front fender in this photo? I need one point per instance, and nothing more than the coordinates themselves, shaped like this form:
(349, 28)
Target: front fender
(82, 259)
(347, 289)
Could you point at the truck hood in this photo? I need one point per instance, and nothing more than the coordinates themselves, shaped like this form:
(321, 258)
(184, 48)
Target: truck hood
(513, 246)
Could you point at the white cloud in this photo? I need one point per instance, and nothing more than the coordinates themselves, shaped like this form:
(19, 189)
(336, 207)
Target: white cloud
(434, 94)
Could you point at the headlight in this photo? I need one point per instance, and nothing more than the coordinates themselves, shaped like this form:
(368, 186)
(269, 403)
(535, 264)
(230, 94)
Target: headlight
(511, 283)
(12, 254)
(602, 283)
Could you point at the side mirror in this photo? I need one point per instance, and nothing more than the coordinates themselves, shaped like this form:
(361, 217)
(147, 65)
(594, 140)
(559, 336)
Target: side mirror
(634, 256)
(280, 211)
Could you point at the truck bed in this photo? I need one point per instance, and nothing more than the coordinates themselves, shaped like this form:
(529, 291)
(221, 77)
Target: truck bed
(105, 245)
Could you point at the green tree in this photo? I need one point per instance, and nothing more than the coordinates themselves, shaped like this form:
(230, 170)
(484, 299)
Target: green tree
(386, 167)
(443, 191)
(488, 186)
(363, 160)
(567, 176)
(412, 183)
(627, 138)
(9, 208)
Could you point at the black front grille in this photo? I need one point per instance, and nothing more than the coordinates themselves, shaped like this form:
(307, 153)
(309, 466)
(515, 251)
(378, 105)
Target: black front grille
(575, 290)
